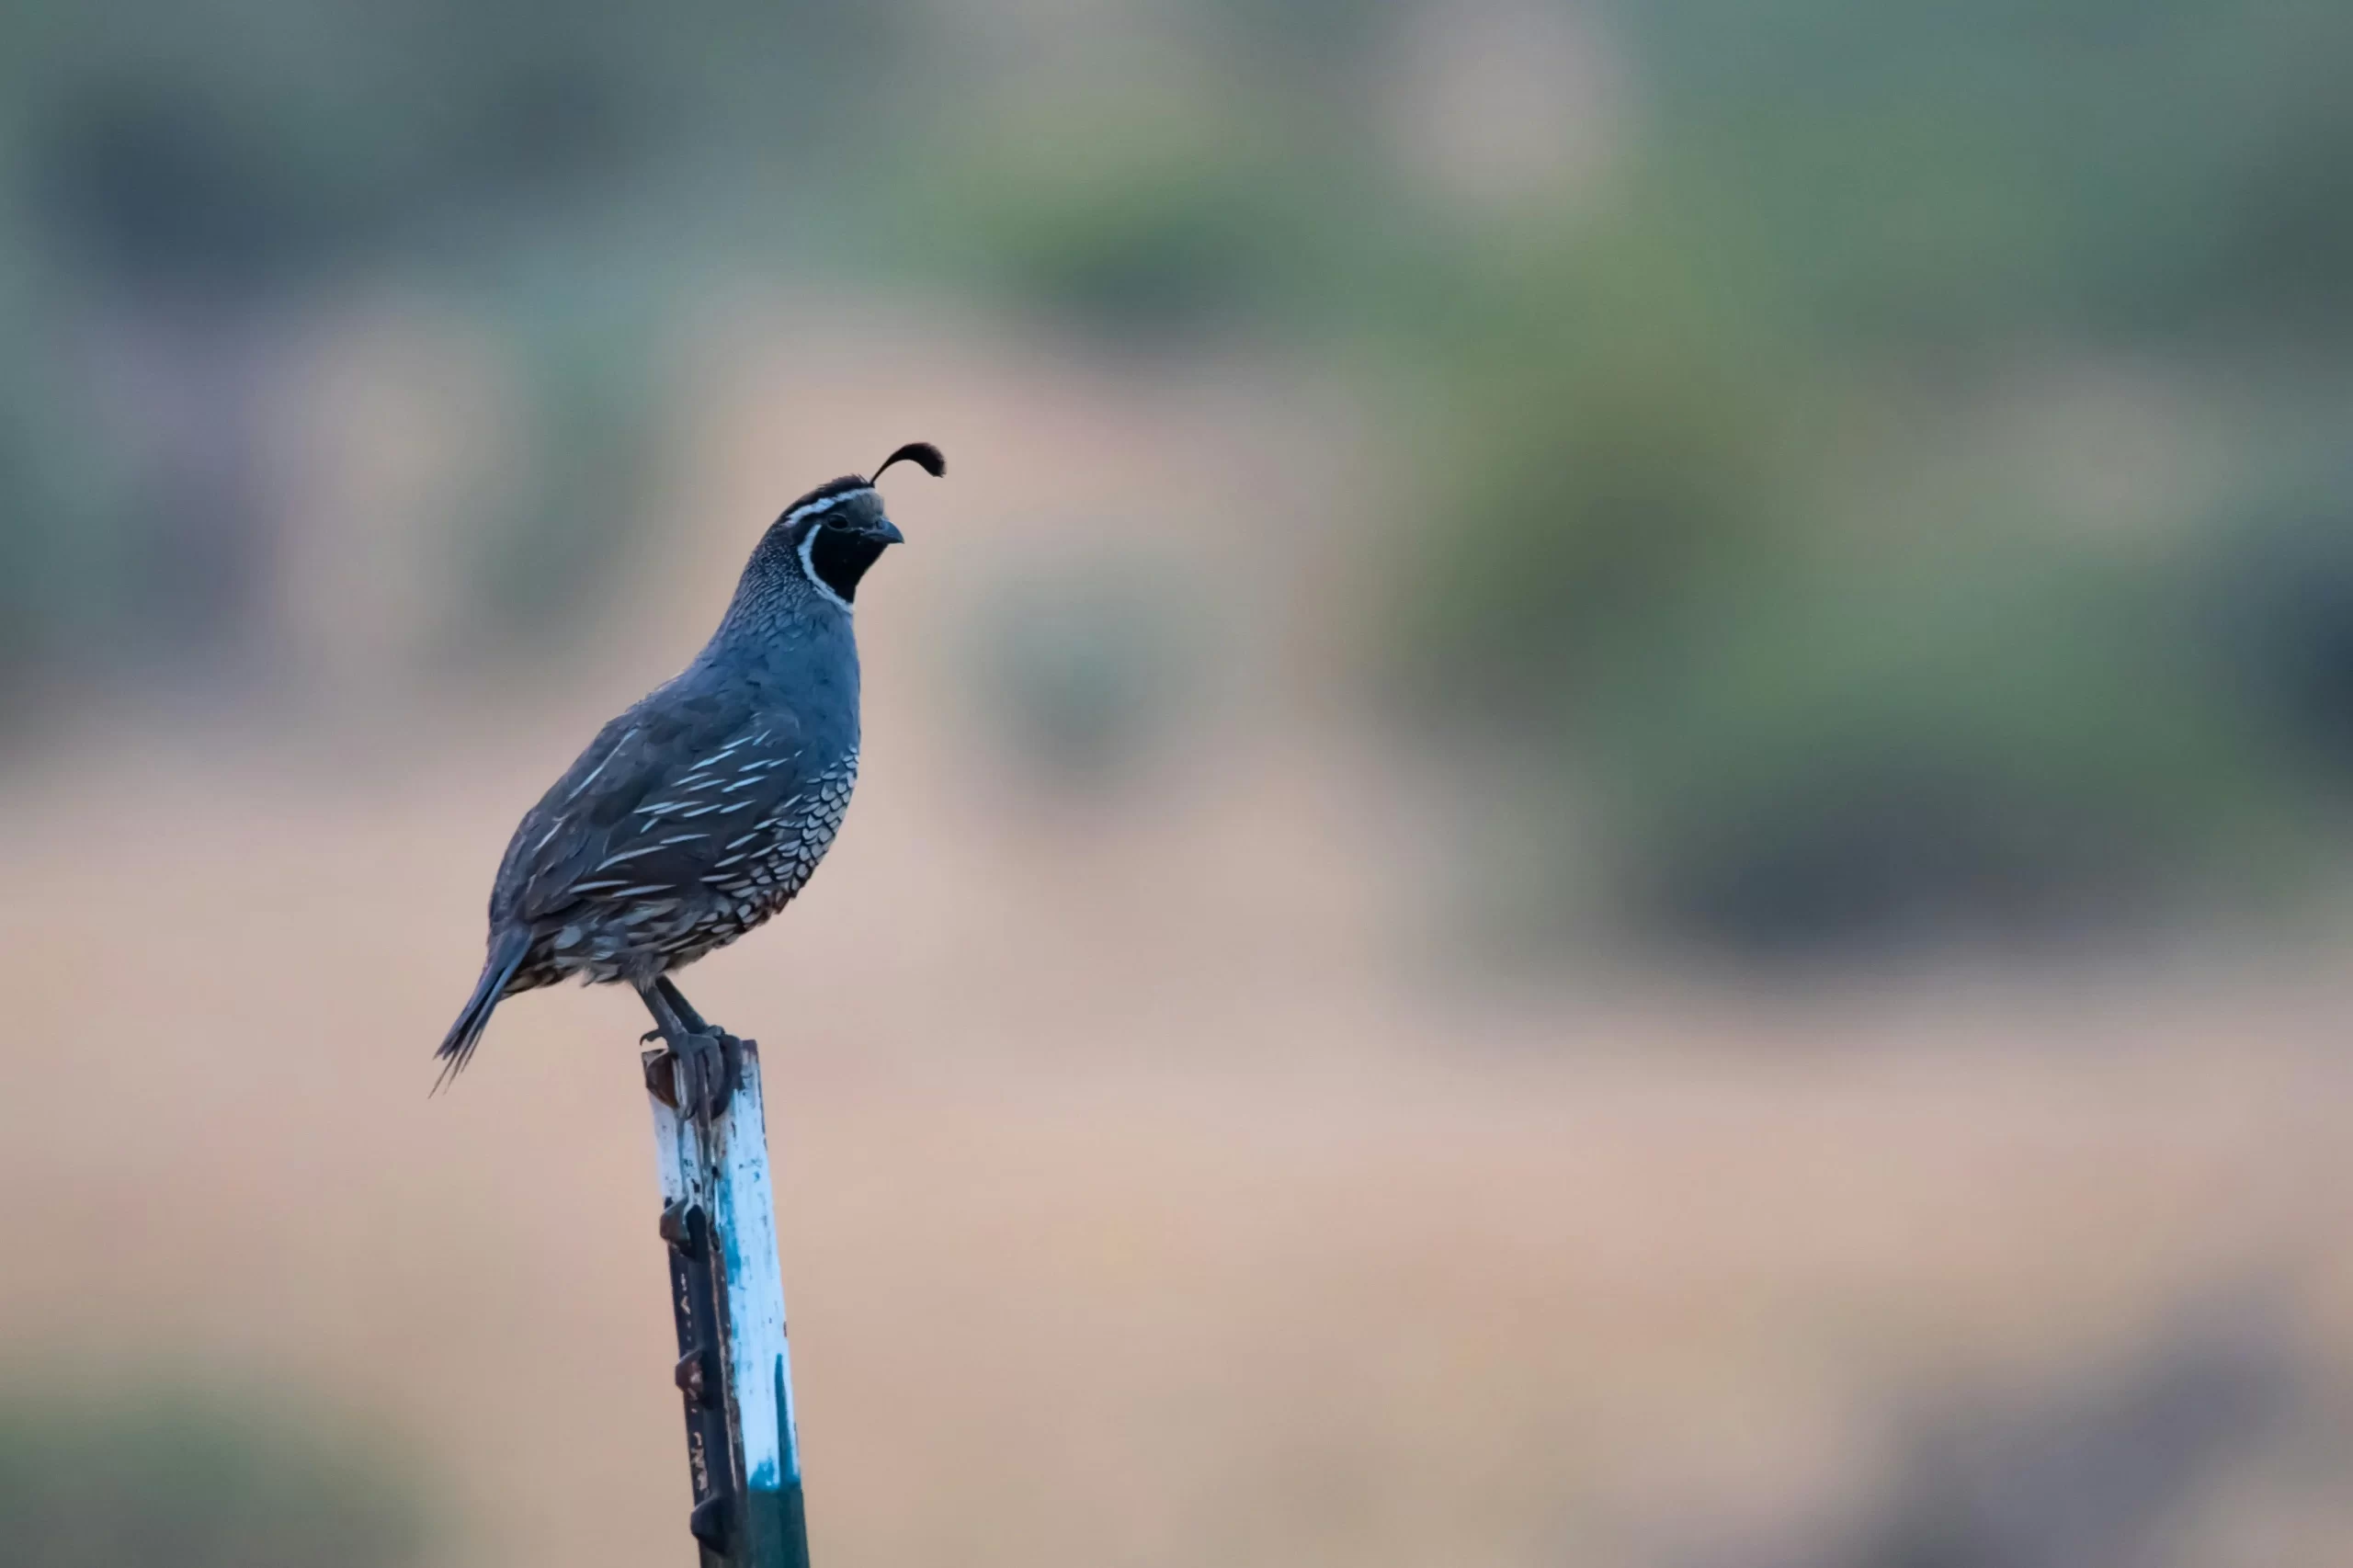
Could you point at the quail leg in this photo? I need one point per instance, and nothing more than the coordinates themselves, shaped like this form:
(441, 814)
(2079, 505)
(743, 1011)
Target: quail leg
(731, 1047)
(694, 1064)
(710, 1060)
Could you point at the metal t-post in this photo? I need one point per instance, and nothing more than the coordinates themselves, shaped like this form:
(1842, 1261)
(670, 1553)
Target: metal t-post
(719, 1217)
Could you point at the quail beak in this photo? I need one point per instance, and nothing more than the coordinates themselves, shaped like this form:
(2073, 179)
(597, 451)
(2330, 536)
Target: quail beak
(885, 531)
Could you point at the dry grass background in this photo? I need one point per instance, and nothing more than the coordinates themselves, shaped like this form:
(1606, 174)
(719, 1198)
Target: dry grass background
(1152, 1194)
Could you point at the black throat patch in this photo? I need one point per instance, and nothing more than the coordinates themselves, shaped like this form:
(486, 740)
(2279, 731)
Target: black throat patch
(838, 559)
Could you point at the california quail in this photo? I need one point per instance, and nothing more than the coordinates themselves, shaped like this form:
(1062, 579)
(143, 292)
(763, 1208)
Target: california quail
(701, 811)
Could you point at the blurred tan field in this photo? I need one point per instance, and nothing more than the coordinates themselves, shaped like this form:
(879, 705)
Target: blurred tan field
(1148, 1196)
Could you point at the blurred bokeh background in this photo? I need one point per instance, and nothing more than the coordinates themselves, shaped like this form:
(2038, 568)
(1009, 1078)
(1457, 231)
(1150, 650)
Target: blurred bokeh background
(1604, 822)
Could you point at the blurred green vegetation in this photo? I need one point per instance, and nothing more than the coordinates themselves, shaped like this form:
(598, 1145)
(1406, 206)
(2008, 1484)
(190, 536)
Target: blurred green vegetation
(1089, 664)
(1165, 222)
(2170, 170)
(2116, 1464)
(1766, 490)
(1960, 749)
(186, 190)
(1747, 515)
(1871, 489)
(195, 1482)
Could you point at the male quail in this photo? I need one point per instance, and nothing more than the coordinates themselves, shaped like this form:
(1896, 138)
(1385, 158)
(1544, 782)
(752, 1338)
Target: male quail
(701, 811)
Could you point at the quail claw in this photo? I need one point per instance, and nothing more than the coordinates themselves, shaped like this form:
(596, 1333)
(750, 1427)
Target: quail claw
(730, 1053)
(711, 1063)
(722, 1068)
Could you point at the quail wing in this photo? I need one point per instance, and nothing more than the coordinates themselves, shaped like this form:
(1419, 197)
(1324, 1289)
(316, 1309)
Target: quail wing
(663, 794)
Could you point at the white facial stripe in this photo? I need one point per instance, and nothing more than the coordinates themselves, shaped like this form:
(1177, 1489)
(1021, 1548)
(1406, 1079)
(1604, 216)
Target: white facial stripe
(827, 504)
(809, 567)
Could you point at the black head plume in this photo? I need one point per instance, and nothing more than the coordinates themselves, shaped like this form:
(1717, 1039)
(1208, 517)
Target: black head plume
(923, 454)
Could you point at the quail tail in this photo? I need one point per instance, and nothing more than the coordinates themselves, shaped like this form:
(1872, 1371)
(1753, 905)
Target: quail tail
(507, 955)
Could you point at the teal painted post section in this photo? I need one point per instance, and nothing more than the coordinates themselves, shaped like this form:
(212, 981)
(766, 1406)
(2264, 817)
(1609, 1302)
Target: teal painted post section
(759, 1381)
(725, 1173)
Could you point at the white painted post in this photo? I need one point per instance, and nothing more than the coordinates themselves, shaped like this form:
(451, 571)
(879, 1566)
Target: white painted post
(734, 1366)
